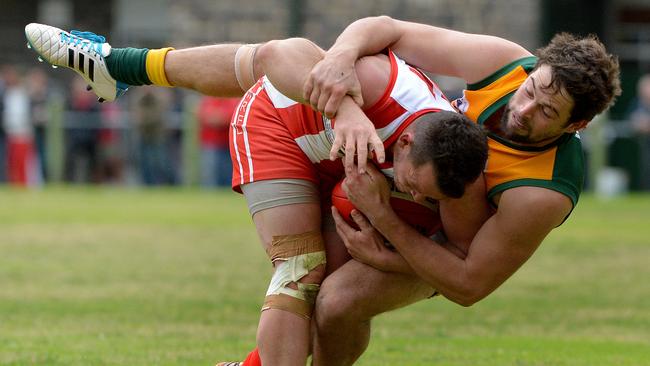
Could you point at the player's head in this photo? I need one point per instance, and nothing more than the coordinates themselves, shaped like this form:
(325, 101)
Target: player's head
(574, 80)
(438, 155)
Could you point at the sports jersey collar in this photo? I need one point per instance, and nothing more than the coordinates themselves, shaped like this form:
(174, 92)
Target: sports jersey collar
(560, 140)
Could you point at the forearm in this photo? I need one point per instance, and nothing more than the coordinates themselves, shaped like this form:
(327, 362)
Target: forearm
(394, 262)
(364, 37)
(397, 263)
(439, 267)
(471, 57)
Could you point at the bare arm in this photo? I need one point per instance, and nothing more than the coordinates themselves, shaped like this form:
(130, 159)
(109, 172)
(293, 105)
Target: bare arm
(471, 57)
(463, 217)
(367, 246)
(506, 240)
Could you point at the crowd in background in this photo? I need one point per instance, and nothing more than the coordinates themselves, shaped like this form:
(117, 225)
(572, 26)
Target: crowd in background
(140, 139)
(137, 140)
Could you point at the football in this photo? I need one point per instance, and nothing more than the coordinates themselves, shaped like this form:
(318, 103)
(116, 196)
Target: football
(424, 217)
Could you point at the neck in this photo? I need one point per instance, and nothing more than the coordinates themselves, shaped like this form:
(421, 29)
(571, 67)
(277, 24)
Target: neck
(542, 143)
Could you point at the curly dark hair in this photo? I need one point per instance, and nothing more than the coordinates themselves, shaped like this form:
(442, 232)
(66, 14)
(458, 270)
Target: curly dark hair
(455, 145)
(582, 66)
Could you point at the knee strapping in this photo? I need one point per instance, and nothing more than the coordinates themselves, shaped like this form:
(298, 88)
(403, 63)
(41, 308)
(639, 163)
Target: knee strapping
(244, 63)
(300, 254)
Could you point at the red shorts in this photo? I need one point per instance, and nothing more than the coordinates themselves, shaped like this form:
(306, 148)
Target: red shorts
(263, 145)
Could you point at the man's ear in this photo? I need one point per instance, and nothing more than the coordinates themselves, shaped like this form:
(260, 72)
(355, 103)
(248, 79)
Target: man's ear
(405, 139)
(577, 126)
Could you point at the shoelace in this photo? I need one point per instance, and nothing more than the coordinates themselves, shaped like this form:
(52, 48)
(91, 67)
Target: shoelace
(89, 40)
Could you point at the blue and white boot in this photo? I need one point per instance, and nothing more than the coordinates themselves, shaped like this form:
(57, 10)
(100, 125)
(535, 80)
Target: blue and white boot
(82, 52)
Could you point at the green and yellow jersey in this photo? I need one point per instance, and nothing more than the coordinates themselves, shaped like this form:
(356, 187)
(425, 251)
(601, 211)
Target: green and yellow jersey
(558, 166)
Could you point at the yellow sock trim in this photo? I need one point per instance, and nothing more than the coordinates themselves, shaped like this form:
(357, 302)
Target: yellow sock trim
(156, 66)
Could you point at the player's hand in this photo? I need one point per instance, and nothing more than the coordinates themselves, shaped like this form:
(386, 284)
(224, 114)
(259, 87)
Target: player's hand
(329, 81)
(356, 135)
(369, 192)
(365, 245)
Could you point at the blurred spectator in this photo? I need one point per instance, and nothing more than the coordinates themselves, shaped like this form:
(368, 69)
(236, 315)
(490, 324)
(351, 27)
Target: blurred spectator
(151, 108)
(3, 137)
(21, 160)
(111, 144)
(81, 131)
(214, 116)
(640, 119)
(39, 96)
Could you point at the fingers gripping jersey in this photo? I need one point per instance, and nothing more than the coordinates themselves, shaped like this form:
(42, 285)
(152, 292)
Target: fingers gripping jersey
(273, 136)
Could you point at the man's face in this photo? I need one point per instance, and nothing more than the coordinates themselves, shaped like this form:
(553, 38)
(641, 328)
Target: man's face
(420, 182)
(536, 114)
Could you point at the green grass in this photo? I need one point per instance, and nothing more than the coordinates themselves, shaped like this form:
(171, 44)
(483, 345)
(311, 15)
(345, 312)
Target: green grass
(176, 277)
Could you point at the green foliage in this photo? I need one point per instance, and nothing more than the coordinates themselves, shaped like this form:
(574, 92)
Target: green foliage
(176, 277)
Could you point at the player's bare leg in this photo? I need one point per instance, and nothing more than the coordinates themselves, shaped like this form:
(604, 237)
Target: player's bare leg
(208, 70)
(110, 71)
(222, 70)
(228, 69)
(283, 333)
(337, 255)
(349, 298)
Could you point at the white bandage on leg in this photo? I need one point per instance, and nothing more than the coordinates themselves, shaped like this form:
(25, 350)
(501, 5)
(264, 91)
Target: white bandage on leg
(300, 254)
(244, 62)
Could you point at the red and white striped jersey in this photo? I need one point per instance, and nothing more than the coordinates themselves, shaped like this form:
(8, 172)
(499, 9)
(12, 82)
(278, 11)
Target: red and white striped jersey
(409, 94)
(273, 136)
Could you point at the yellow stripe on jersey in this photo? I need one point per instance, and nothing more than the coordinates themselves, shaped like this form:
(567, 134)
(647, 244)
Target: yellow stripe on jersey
(506, 164)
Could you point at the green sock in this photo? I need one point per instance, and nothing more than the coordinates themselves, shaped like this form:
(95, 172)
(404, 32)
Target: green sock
(128, 65)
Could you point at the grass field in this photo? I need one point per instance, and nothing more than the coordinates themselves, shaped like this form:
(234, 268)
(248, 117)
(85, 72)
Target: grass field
(175, 277)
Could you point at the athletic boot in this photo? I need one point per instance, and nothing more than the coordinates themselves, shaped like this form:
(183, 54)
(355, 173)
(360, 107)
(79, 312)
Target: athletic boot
(83, 52)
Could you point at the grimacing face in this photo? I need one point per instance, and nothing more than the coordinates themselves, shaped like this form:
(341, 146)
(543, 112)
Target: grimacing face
(420, 182)
(536, 114)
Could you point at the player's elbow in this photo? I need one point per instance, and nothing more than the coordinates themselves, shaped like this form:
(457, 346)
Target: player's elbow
(469, 300)
(384, 20)
(461, 299)
(466, 300)
(381, 22)
(468, 293)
